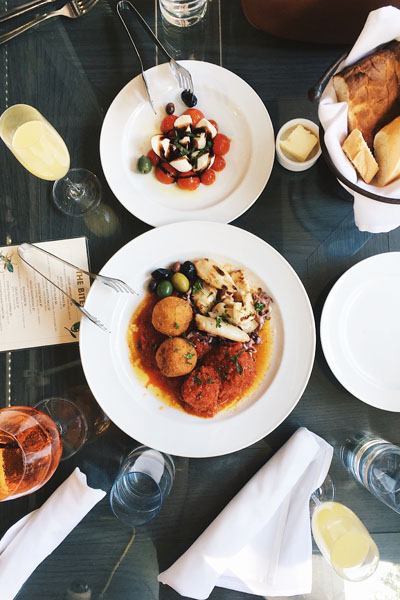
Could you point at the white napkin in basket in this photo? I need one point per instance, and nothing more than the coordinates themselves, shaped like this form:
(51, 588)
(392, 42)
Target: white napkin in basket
(381, 26)
(261, 542)
(27, 543)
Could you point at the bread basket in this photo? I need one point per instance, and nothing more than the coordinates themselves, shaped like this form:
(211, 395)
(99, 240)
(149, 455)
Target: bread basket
(314, 95)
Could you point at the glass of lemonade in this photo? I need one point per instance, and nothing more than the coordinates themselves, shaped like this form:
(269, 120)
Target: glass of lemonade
(42, 151)
(344, 541)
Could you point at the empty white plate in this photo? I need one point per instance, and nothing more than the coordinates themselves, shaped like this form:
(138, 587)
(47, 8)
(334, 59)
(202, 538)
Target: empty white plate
(360, 330)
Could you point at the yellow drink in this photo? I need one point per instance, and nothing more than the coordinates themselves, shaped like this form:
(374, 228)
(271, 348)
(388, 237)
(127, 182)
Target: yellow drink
(34, 142)
(344, 541)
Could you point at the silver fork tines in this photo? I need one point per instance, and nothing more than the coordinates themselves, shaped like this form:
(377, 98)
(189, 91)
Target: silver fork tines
(72, 10)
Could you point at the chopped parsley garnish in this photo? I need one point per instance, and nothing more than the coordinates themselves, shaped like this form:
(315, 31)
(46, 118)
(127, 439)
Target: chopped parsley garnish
(139, 345)
(259, 306)
(176, 325)
(218, 322)
(196, 379)
(210, 380)
(236, 360)
(155, 346)
(189, 355)
(197, 287)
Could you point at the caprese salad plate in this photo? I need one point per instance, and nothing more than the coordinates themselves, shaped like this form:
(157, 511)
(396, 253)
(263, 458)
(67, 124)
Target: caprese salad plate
(130, 124)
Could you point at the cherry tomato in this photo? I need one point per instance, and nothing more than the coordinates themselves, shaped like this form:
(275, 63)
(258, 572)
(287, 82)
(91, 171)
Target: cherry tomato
(196, 115)
(189, 181)
(165, 173)
(208, 177)
(213, 123)
(221, 144)
(153, 158)
(219, 163)
(168, 123)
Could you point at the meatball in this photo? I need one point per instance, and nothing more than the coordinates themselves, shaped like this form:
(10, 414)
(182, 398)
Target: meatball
(172, 316)
(176, 357)
(200, 391)
(236, 367)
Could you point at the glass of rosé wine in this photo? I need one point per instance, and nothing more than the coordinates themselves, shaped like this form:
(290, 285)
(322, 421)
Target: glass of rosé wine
(31, 446)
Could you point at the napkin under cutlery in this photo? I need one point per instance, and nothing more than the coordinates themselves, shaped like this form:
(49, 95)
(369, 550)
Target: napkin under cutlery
(27, 543)
(381, 26)
(261, 542)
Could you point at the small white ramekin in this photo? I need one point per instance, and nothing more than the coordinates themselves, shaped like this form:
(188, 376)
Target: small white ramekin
(290, 163)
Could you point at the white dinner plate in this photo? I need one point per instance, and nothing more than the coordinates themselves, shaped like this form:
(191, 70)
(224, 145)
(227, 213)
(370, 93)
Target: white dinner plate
(223, 96)
(360, 330)
(146, 418)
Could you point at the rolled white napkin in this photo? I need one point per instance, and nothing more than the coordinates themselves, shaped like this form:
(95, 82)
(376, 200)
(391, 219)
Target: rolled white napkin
(27, 543)
(261, 542)
(381, 26)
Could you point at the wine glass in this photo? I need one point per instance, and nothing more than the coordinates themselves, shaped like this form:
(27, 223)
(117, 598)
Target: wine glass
(30, 450)
(341, 537)
(42, 151)
(33, 441)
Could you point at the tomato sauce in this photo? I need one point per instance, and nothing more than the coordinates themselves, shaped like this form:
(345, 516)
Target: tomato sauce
(239, 371)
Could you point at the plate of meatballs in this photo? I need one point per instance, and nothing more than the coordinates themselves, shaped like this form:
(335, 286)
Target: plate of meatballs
(213, 352)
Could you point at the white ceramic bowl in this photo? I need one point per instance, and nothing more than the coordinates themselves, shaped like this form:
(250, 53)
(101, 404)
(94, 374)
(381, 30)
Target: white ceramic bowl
(284, 159)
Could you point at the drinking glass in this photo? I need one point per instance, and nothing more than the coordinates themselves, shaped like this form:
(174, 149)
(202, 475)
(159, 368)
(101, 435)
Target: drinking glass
(30, 450)
(145, 479)
(42, 151)
(375, 463)
(70, 421)
(344, 541)
(183, 13)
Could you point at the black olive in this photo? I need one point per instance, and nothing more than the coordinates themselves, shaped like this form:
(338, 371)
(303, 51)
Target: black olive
(170, 108)
(189, 270)
(160, 274)
(152, 285)
(188, 98)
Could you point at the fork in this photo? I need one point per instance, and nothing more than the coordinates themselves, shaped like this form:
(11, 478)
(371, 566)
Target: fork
(17, 11)
(115, 284)
(181, 74)
(21, 251)
(72, 10)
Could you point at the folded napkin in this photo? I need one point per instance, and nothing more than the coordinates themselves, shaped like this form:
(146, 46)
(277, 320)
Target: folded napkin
(27, 543)
(381, 26)
(261, 542)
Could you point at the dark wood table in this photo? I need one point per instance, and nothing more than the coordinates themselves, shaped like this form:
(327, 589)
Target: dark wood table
(71, 71)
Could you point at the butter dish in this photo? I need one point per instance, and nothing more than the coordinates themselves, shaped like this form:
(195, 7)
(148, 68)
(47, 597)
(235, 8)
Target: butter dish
(289, 161)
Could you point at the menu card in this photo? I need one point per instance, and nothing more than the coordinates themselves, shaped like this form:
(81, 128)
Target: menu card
(33, 312)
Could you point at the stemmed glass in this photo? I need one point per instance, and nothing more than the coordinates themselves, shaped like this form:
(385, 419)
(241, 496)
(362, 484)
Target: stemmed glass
(42, 151)
(32, 444)
(341, 537)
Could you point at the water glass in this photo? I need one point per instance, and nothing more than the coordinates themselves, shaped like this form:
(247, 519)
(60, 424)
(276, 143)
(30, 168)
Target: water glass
(375, 463)
(143, 482)
(183, 13)
(344, 541)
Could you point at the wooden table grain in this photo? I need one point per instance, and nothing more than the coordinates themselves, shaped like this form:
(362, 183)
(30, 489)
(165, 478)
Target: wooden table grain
(71, 71)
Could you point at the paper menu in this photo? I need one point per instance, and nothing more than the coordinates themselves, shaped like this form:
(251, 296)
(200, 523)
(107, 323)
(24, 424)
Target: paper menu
(33, 312)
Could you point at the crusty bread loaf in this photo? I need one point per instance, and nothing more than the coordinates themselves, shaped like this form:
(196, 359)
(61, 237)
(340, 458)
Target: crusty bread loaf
(371, 89)
(360, 155)
(387, 152)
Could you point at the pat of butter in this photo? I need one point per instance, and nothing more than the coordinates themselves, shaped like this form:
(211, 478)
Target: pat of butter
(299, 143)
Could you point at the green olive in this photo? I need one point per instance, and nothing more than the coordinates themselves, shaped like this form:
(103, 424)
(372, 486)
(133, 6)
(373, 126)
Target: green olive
(180, 282)
(144, 164)
(164, 289)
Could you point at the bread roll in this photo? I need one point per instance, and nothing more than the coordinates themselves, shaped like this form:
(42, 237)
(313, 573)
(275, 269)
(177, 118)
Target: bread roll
(387, 152)
(371, 89)
(360, 155)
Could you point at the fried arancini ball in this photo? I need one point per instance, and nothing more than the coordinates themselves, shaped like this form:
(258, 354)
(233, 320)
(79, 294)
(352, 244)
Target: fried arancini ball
(172, 316)
(176, 357)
